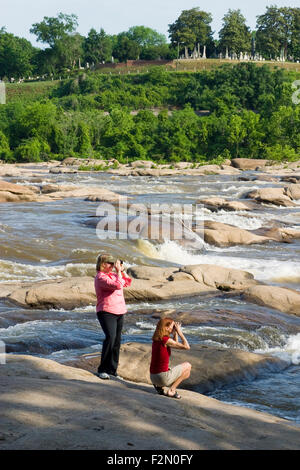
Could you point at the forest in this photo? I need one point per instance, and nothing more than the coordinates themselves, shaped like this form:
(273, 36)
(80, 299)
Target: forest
(232, 111)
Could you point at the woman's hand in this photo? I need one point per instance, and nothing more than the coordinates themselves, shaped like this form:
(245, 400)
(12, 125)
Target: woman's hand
(118, 266)
(177, 326)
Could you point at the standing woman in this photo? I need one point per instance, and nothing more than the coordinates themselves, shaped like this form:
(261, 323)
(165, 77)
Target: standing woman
(160, 373)
(110, 310)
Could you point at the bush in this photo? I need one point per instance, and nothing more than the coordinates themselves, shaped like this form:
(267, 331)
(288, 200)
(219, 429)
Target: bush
(31, 150)
(5, 152)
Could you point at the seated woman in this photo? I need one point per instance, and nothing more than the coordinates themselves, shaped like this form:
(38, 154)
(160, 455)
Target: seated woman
(160, 373)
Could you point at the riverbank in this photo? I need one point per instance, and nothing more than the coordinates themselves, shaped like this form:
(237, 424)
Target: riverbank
(46, 405)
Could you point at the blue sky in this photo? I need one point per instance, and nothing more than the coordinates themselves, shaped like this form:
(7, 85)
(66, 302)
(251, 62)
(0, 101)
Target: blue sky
(118, 15)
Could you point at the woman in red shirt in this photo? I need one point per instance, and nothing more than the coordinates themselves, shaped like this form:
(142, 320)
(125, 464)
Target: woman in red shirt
(160, 373)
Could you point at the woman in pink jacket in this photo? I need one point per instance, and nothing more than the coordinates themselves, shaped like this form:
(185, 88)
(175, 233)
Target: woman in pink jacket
(110, 310)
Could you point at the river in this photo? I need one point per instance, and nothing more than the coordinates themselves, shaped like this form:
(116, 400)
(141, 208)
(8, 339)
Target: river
(51, 240)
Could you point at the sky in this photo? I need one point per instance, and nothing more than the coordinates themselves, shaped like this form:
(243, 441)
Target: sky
(115, 16)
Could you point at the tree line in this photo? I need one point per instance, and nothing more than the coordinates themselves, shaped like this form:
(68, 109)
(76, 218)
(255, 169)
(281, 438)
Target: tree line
(277, 34)
(251, 114)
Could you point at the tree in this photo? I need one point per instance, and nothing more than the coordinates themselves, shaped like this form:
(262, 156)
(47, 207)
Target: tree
(192, 27)
(51, 30)
(235, 35)
(125, 48)
(278, 29)
(65, 44)
(15, 55)
(5, 152)
(145, 36)
(97, 46)
(69, 50)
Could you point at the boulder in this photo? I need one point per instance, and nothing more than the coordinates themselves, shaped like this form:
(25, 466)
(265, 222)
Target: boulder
(62, 293)
(10, 192)
(211, 367)
(276, 196)
(218, 234)
(141, 164)
(293, 191)
(248, 163)
(224, 279)
(229, 170)
(88, 193)
(279, 298)
(217, 203)
(149, 283)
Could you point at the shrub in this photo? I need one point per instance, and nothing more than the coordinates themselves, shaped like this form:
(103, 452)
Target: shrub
(31, 150)
(5, 152)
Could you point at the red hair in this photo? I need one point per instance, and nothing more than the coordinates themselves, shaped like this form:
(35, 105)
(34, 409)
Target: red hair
(161, 328)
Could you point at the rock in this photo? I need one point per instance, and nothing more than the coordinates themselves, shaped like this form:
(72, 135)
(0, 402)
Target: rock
(291, 179)
(293, 191)
(149, 283)
(248, 163)
(47, 406)
(279, 298)
(280, 234)
(89, 193)
(229, 170)
(183, 165)
(50, 188)
(141, 164)
(16, 193)
(270, 179)
(211, 367)
(150, 272)
(63, 293)
(221, 278)
(219, 234)
(70, 161)
(218, 203)
(276, 196)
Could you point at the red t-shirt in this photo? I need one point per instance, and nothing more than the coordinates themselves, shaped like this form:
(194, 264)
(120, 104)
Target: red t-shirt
(160, 356)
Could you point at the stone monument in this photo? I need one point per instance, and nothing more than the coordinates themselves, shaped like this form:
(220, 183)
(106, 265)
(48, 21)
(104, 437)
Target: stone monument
(2, 93)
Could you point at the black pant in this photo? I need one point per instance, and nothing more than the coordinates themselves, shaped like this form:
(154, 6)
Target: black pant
(112, 326)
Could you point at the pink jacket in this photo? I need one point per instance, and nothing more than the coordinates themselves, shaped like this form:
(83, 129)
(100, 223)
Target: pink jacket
(109, 291)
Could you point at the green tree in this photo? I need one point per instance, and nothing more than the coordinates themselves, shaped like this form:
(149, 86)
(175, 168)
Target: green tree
(125, 48)
(97, 46)
(235, 34)
(5, 152)
(191, 27)
(69, 50)
(65, 45)
(31, 150)
(278, 29)
(15, 56)
(51, 29)
(145, 36)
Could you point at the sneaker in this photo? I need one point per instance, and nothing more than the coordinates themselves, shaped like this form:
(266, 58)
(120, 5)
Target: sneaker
(102, 375)
(117, 377)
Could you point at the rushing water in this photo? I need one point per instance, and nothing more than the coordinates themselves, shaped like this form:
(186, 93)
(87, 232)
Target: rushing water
(52, 240)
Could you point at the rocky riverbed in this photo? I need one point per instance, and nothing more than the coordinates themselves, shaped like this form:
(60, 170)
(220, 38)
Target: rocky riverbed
(233, 279)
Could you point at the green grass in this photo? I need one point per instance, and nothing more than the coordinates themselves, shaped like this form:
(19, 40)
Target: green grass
(29, 91)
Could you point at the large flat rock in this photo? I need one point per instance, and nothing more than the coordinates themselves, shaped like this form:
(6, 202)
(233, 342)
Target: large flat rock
(211, 367)
(45, 406)
(148, 283)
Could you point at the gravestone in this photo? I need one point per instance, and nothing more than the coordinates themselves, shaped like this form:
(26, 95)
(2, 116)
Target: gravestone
(2, 93)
